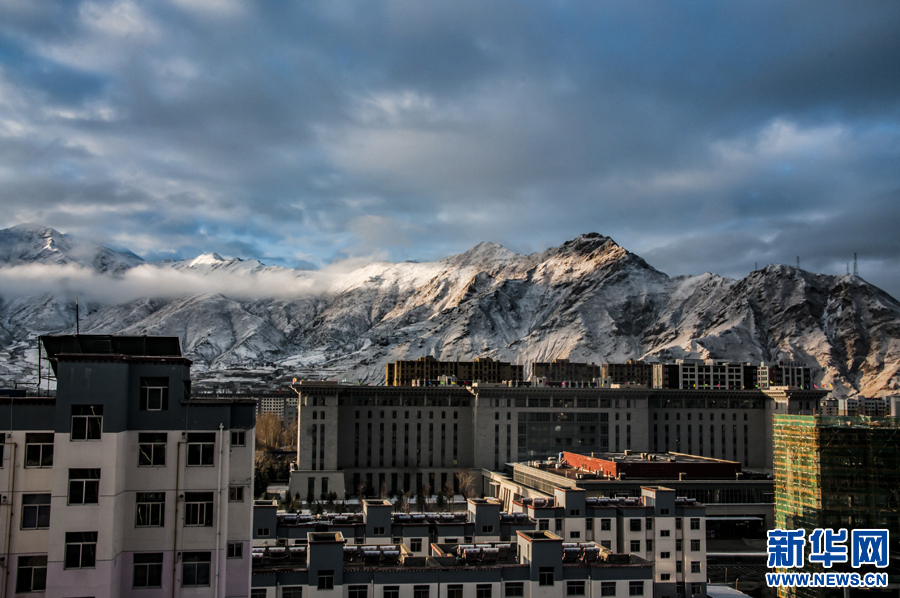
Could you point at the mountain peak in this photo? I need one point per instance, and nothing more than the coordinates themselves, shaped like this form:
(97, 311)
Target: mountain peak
(206, 259)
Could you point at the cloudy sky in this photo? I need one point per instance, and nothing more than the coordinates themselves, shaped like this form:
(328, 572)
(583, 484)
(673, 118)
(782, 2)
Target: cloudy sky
(704, 136)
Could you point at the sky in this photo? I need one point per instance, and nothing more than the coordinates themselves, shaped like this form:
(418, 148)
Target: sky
(703, 136)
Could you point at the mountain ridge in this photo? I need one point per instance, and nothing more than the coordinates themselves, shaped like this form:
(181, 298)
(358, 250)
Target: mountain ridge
(588, 299)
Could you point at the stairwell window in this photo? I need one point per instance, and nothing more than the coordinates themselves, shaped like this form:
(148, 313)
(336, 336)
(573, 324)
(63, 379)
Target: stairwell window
(154, 394)
(87, 422)
(195, 569)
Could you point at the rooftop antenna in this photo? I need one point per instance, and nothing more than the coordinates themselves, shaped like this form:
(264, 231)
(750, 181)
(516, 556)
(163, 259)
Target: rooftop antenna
(855, 266)
(76, 315)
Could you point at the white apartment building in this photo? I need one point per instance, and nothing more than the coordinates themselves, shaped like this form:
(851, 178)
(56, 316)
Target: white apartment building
(123, 482)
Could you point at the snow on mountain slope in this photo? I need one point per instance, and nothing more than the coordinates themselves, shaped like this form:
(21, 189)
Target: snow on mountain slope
(587, 300)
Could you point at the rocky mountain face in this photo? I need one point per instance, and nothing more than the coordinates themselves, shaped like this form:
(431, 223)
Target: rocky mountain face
(587, 300)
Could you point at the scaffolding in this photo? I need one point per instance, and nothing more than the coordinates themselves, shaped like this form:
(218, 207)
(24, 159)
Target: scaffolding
(837, 472)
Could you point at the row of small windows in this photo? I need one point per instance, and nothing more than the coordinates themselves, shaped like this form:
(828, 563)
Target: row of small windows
(151, 446)
(381, 414)
(81, 553)
(512, 589)
(150, 507)
(712, 417)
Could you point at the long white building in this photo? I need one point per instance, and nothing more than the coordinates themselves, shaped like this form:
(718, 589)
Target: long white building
(123, 482)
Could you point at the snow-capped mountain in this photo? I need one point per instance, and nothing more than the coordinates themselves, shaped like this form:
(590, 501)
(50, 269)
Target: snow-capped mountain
(587, 300)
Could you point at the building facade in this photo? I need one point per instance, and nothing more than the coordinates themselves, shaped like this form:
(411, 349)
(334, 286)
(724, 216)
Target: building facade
(429, 371)
(123, 482)
(838, 472)
(403, 438)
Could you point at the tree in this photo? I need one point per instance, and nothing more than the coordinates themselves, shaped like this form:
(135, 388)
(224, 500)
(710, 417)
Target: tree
(449, 494)
(382, 493)
(466, 482)
(263, 472)
(440, 501)
(269, 428)
(290, 436)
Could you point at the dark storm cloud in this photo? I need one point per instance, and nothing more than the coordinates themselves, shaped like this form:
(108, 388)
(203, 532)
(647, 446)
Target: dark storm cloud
(704, 136)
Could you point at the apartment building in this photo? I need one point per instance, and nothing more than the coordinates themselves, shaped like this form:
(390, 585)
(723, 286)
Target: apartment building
(648, 546)
(363, 437)
(563, 370)
(123, 481)
(428, 371)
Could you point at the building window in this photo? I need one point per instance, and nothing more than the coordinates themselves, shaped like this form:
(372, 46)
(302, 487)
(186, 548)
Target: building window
(665, 555)
(483, 590)
(415, 544)
(235, 494)
(195, 569)
(665, 576)
(664, 511)
(649, 545)
(635, 546)
(326, 578)
(574, 588)
(678, 545)
(607, 544)
(152, 449)
(574, 535)
(258, 593)
(357, 592)
(87, 421)
(605, 525)
(421, 591)
(607, 588)
(238, 439)
(695, 545)
(201, 447)
(39, 450)
(297, 592)
(635, 525)
(545, 576)
(35, 511)
(84, 486)
(31, 573)
(262, 531)
(678, 523)
(649, 523)
(664, 533)
(543, 524)
(388, 592)
(589, 524)
(235, 550)
(696, 589)
(515, 589)
(198, 508)
(455, 591)
(695, 566)
(148, 570)
(378, 531)
(151, 507)
(81, 550)
(695, 523)
(487, 529)
(635, 588)
(154, 394)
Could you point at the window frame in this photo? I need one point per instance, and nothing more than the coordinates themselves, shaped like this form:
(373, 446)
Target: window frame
(198, 443)
(196, 560)
(543, 579)
(241, 436)
(150, 566)
(357, 591)
(84, 477)
(514, 589)
(86, 543)
(41, 510)
(199, 506)
(325, 579)
(32, 564)
(635, 588)
(607, 588)
(575, 587)
(93, 423)
(160, 399)
(235, 494)
(150, 502)
(45, 442)
(234, 550)
(152, 448)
